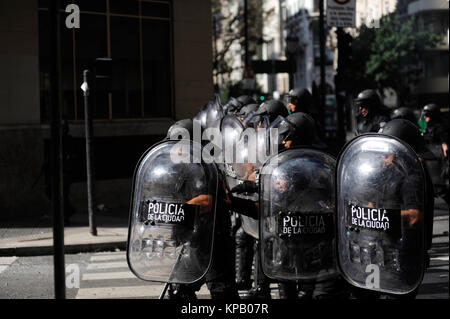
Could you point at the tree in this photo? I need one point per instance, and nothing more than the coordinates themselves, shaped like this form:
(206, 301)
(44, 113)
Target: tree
(390, 56)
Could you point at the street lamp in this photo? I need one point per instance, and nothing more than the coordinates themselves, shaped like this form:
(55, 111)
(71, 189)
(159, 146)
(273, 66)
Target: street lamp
(292, 47)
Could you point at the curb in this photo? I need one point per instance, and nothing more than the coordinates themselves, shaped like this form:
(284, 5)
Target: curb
(68, 249)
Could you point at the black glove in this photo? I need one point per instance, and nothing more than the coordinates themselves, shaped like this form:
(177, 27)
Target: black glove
(245, 187)
(244, 207)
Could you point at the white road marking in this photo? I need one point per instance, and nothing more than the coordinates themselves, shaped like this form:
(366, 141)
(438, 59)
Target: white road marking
(109, 275)
(7, 260)
(127, 292)
(110, 265)
(108, 257)
(444, 258)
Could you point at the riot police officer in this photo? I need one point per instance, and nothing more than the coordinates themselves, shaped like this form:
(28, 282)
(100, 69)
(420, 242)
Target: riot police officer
(299, 100)
(436, 138)
(246, 110)
(245, 100)
(220, 278)
(404, 113)
(179, 129)
(268, 112)
(374, 114)
(391, 181)
(403, 130)
(299, 129)
(435, 132)
(406, 131)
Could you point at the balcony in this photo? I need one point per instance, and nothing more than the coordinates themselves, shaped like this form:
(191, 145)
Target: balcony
(420, 6)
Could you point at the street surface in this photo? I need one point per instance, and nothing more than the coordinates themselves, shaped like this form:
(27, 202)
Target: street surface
(106, 275)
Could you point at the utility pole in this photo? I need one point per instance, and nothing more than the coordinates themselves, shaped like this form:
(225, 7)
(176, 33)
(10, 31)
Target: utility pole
(89, 154)
(343, 78)
(56, 156)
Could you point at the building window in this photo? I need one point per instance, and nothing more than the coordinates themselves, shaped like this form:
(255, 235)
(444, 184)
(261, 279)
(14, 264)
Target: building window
(136, 34)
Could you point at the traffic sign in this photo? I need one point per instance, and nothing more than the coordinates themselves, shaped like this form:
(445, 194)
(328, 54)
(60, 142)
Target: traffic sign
(341, 13)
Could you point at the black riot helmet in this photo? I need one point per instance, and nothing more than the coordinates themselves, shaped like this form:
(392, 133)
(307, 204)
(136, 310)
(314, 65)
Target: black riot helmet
(431, 110)
(272, 109)
(409, 133)
(178, 130)
(246, 110)
(369, 99)
(298, 127)
(301, 98)
(404, 113)
(246, 100)
(232, 106)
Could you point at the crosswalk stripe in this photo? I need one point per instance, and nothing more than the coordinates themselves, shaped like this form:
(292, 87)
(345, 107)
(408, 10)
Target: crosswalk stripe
(107, 258)
(3, 268)
(109, 265)
(127, 292)
(7, 260)
(108, 275)
(444, 258)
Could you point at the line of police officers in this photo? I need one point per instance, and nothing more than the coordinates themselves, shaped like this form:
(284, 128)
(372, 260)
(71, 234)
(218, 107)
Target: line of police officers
(282, 218)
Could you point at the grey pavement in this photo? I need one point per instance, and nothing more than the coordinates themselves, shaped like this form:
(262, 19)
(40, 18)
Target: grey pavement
(35, 238)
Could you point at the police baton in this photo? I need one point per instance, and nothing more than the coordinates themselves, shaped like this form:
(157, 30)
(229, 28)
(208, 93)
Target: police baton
(163, 293)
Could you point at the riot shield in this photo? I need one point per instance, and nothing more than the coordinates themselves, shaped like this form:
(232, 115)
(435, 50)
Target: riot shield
(238, 167)
(297, 210)
(201, 116)
(214, 113)
(231, 129)
(380, 211)
(172, 214)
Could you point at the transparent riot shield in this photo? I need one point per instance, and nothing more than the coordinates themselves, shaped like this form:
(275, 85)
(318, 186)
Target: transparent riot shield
(237, 166)
(231, 128)
(297, 211)
(380, 210)
(214, 113)
(172, 215)
(201, 115)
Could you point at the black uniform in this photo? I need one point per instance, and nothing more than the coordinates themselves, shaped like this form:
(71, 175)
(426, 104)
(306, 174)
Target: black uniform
(220, 279)
(377, 116)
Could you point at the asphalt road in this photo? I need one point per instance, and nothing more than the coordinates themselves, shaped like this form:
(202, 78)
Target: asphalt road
(106, 275)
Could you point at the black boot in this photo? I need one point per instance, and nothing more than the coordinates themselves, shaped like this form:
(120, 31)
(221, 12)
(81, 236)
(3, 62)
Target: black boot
(262, 289)
(287, 290)
(244, 259)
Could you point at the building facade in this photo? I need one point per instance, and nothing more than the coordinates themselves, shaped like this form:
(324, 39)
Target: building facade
(302, 25)
(434, 84)
(162, 72)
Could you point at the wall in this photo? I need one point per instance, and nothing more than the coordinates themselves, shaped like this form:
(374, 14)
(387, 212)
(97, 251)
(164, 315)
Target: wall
(23, 137)
(193, 56)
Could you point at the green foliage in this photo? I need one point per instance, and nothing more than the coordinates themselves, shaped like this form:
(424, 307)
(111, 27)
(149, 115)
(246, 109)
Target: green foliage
(390, 56)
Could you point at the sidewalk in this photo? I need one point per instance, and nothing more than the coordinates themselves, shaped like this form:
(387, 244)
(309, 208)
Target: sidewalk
(36, 239)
